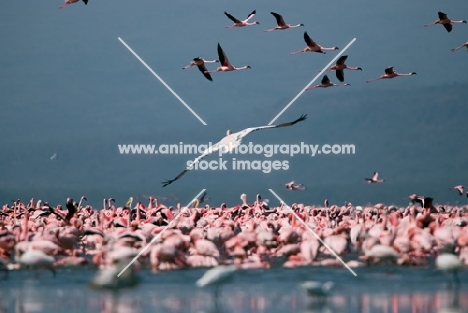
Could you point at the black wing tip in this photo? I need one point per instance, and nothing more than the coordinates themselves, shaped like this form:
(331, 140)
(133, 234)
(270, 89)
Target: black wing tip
(167, 182)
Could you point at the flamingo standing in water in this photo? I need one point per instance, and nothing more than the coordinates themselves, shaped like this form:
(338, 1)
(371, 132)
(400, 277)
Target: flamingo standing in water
(229, 143)
(281, 24)
(317, 289)
(225, 64)
(463, 45)
(200, 63)
(445, 21)
(37, 259)
(217, 276)
(340, 66)
(450, 263)
(312, 46)
(326, 83)
(374, 179)
(239, 23)
(68, 2)
(390, 73)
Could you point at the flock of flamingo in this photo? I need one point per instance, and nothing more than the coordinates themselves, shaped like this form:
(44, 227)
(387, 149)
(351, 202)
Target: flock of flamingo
(37, 235)
(312, 46)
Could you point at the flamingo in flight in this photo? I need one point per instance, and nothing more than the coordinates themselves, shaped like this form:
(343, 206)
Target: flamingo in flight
(340, 66)
(281, 24)
(239, 23)
(312, 46)
(200, 63)
(226, 66)
(326, 83)
(390, 73)
(459, 188)
(445, 21)
(463, 45)
(374, 179)
(293, 186)
(68, 2)
(229, 143)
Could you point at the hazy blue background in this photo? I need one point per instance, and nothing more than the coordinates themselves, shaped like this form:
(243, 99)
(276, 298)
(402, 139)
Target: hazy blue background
(68, 86)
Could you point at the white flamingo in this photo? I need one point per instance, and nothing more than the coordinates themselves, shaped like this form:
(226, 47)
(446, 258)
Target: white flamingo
(281, 24)
(445, 21)
(226, 66)
(450, 263)
(107, 278)
(36, 259)
(317, 289)
(216, 277)
(229, 143)
(312, 46)
(239, 23)
(459, 188)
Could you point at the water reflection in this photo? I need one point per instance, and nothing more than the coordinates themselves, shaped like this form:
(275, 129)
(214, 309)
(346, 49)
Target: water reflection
(178, 294)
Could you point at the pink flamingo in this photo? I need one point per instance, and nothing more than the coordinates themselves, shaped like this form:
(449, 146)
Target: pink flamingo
(463, 45)
(200, 63)
(239, 23)
(390, 73)
(326, 83)
(312, 46)
(374, 179)
(293, 186)
(281, 24)
(68, 2)
(225, 64)
(340, 66)
(445, 21)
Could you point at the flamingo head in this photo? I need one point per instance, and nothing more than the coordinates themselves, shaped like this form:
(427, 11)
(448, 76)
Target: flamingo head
(258, 23)
(301, 24)
(228, 132)
(413, 73)
(336, 48)
(248, 66)
(359, 69)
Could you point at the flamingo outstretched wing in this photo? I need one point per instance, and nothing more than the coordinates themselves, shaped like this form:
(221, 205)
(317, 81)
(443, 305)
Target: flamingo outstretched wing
(232, 18)
(206, 153)
(241, 134)
(279, 19)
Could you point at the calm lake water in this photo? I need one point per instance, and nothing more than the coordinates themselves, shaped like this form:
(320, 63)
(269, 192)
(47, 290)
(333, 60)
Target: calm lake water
(374, 289)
